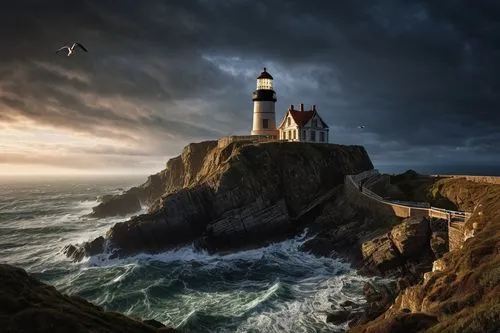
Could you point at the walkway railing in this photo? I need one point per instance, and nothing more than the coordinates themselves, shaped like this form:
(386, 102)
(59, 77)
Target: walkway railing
(450, 214)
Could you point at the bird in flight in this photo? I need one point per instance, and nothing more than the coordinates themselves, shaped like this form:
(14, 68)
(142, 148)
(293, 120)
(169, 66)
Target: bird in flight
(70, 50)
(361, 126)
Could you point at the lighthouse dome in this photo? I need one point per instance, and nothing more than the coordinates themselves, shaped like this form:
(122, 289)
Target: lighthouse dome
(264, 75)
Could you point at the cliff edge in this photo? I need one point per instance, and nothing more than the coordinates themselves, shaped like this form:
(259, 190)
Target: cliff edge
(241, 194)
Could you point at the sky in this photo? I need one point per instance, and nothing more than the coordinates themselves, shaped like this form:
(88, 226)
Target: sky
(422, 76)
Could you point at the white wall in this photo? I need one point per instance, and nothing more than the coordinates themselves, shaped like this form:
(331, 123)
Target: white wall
(264, 110)
(290, 130)
(306, 133)
(314, 125)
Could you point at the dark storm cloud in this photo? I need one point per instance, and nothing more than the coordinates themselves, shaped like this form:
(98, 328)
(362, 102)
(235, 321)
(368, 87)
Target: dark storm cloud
(419, 74)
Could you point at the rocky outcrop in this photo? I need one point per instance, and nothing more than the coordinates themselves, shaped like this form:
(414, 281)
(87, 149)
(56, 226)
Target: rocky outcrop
(398, 250)
(234, 196)
(118, 205)
(412, 236)
(181, 171)
(28, 305)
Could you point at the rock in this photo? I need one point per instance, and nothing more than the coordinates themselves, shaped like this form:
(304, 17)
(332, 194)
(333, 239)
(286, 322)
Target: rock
(402, 323)
(438, 225)
(439, 265)
(154, 323)
(411, 237)
(180, 172)
(379, 298)
(439, 243)
(380, 255)
(121, 205)
(77, 253)
(348, 304)
(31, 306)
(237, 196)
(338, 317)
(320, 246)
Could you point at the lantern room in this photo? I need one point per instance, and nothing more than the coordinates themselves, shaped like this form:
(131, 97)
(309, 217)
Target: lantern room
(264, 81)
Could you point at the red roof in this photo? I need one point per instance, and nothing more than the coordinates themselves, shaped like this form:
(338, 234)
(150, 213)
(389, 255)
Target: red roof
(301, 117)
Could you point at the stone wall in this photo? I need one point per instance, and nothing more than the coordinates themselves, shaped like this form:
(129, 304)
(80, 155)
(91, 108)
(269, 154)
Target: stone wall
(225, 140)
(359, 199)
(456, 235)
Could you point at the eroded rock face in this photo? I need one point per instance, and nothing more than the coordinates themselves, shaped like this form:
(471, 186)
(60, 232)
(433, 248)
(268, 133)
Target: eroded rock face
(31, 306)
(181, 171)
(411, 236)
(230, 197)
(396, 250)
(380, 254)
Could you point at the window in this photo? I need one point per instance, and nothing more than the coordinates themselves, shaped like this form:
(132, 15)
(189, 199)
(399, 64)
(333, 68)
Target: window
(303, 135)
(314, 123)
(294, 134)
(266, 84)
(289, 135)
(265, 123)
(289, 121)
(313, 136)
(322, 137)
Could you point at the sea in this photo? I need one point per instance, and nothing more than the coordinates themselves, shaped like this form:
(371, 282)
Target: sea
(277, 288)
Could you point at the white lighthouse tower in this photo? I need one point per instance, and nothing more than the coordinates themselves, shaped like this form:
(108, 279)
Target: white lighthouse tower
(264, 119)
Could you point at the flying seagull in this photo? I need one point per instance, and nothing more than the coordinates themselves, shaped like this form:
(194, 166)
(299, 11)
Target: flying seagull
(70, 50)
(361, 126)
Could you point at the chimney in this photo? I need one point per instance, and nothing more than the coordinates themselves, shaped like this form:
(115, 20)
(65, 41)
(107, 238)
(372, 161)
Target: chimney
(314, 107)
(301, 107)
(291, 107)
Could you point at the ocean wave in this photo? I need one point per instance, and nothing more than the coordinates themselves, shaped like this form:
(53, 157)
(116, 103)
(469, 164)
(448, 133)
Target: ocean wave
(275, 288)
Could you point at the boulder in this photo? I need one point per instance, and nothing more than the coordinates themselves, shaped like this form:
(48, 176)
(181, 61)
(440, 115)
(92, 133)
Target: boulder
(77, 253)
(380, 255)
(338, 317)
(379, 298)
(411, 237)
(117, 205)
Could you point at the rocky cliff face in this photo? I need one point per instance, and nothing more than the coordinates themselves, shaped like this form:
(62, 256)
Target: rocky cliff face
(31, 306)
(229, 197)
(460, 292)
(180, 172)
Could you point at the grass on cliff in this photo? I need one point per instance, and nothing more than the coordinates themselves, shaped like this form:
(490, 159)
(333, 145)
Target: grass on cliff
(466, 296)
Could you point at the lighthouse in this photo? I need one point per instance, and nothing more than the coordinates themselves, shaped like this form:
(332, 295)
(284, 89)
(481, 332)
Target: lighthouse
(264, 97)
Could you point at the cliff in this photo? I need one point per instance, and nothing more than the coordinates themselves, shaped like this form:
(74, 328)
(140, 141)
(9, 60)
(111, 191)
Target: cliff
(31, 306)
(241, 194)
(180, 172)
(437, 286)
(460, 291)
